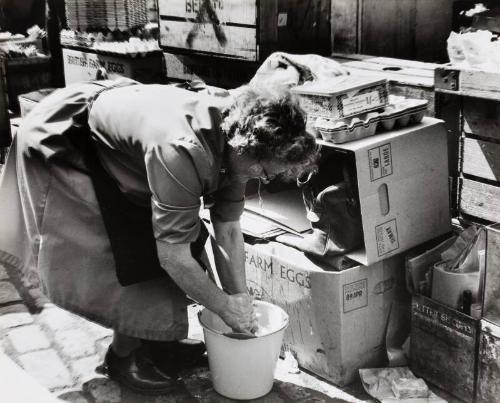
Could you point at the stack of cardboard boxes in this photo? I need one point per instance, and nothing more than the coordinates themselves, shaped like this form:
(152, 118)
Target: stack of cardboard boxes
(339, 320)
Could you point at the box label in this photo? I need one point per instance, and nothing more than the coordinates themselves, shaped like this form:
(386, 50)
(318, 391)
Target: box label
(355, 295)
(82, 66)
(352, 105)
(380, 162)
(386, 235)
(434, 318)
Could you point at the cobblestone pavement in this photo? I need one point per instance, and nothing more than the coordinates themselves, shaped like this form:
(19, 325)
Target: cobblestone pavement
(62, 350)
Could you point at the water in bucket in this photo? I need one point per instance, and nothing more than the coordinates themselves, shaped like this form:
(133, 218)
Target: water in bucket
(243, 368)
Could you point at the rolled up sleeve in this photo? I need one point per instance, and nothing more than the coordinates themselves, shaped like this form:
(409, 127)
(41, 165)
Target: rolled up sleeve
(176, 190)
(229, 203)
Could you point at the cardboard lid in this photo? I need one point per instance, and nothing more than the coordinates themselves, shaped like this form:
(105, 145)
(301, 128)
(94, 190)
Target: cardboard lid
(337, 85)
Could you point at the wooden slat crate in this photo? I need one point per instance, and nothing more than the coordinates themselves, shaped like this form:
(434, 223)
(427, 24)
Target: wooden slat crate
(478, 96)
(443, 347)
(244, 29)
(488, 376)
(479, 200)
(469, 83)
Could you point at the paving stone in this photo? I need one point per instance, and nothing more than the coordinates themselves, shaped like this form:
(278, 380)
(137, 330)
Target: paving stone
(75, 343)
(98, 331)
(103, 390)
(8, 293)
(58, 319)
(47, 367)
(14, 315)
(28, 338)
(84, 368)
(3, 273)
(102, 345)
(73, 396)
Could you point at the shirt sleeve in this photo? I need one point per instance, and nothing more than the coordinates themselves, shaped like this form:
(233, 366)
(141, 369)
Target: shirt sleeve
(176, 190)
(229, 202)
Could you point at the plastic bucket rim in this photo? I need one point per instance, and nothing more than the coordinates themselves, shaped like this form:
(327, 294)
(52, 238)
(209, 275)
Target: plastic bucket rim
(285, 323)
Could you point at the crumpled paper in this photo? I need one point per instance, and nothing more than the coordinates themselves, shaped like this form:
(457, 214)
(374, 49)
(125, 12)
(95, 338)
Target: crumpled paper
(474, 50)
(285, 70)
(463, 255)
(378, 383)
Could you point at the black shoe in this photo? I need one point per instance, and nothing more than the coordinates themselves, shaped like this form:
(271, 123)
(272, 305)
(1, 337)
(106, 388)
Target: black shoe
(138, 372)
(174, 356)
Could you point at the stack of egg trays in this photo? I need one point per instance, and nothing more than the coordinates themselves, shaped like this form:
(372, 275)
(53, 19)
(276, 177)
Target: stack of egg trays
(122, 15)
(400, 112)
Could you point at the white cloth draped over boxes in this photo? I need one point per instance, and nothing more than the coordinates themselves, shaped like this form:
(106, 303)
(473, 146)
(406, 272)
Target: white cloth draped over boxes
(163, 147)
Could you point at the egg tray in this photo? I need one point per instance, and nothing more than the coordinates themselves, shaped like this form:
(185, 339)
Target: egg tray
(400, 112)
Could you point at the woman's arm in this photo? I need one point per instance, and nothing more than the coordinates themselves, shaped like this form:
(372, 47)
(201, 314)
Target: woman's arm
(229, 255)
(236, 310)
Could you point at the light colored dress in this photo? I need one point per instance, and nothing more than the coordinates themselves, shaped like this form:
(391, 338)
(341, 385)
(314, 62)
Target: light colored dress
(163, 145)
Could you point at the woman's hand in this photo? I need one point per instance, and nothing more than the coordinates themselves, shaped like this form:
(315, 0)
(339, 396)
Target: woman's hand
(239, 313)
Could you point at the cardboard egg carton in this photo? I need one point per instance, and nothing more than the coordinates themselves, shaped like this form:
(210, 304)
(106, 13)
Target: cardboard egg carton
(400, 112)
(342, 97)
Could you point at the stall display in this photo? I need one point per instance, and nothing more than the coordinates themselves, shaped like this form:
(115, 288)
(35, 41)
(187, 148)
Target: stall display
(108, 39)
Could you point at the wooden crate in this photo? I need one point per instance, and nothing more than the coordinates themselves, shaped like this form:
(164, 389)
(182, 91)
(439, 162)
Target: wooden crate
(488, 376)
(225, 73)
(477, 94)
(410, 29)
(443, 347)
(244, 29)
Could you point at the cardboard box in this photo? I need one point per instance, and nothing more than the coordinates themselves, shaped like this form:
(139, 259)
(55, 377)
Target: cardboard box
(83, 65)
(488, 375)
(402, 181)
(443, 347)
(342, 97)
(338, 320)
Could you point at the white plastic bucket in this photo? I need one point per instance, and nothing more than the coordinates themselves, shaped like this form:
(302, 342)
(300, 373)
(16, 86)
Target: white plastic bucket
(244, 369)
